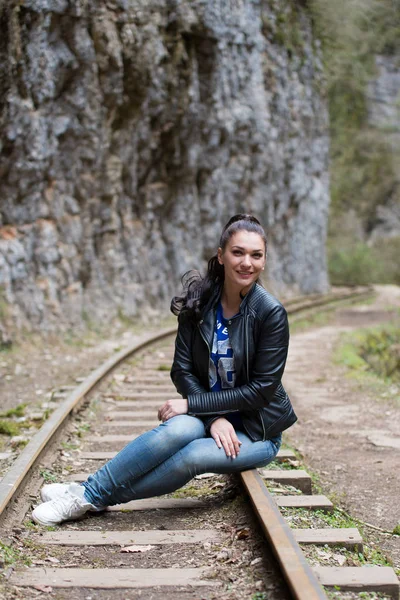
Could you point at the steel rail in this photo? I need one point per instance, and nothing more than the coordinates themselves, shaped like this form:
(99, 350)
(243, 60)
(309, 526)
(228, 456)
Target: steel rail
(299, 576)
(327, 300)
(18, 472)
(341, 294)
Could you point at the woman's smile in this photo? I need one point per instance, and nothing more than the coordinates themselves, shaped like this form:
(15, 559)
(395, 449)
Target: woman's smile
(243, 259)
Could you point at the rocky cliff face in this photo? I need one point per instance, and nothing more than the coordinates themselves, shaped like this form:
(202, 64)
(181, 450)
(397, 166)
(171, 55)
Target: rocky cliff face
(383, 98)
(132, 130)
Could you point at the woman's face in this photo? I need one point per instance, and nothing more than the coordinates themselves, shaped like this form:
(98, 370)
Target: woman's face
(243, 259)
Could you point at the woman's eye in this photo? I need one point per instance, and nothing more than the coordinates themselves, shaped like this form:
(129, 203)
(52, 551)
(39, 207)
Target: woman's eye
(257, 255)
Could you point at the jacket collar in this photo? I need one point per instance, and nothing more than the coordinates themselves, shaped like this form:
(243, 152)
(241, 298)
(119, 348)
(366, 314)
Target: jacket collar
(216, 296)
(207, 322)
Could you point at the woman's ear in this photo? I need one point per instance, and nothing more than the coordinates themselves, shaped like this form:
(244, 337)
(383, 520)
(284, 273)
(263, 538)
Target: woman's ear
(219, 256)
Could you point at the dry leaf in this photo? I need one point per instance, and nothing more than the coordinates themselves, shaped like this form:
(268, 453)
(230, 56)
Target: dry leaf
(136, 548)
(217, 484)
(243, 533)
(204, 476)
(43, 588)
(52, 559)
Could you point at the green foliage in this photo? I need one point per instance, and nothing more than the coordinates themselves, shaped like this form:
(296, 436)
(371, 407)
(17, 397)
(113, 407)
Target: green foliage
(396, 530)
(18, 411)
(10, 555)
(371, 556)
(48, 476)
(388, 251)
(284, 30)
(363, 173)
(9, 428)
(353, 265)
(82, 429)
(375, 350)
(356, 263)
(388, 27)
(363, 165)
(350, 357)
(336, 519)
(380, 349)
(69, 445)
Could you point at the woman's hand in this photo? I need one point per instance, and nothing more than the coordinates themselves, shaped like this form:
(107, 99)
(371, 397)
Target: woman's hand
(224, 434)
(171, 408)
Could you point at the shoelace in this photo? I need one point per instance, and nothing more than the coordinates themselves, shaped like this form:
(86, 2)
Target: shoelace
(68, 503)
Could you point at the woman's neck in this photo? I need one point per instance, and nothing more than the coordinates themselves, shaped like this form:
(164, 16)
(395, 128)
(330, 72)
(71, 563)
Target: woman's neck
(230, 303)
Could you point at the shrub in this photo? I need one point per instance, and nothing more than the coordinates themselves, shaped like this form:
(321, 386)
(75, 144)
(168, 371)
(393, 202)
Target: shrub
(380, 349)
(353, 265)
(357, 263)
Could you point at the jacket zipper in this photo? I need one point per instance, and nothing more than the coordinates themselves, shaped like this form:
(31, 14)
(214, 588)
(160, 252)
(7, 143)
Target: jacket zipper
(248, 372)
(247, 348)
(220, 412)
(205, 341)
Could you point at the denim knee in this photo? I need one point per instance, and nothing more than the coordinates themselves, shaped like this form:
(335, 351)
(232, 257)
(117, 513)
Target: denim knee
(193, 458)
(182, 426)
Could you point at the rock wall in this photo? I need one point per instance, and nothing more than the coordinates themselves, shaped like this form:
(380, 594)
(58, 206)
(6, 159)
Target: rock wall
(132, 130)
(383, 98)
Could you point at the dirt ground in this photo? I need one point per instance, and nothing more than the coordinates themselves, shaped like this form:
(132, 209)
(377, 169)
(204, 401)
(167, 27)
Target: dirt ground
(34, 371)
(348, 435)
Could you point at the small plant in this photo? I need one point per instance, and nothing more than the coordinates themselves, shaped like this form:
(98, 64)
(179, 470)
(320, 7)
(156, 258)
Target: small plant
(18, 411)
(374, 351)
(396, 530)
(82, 429)
(9, 428)
(29, 524)
(48, 476)
(69, 445)
(21, 443)
(164, 368)
(9, 555)
(354, 264)
(336, 519)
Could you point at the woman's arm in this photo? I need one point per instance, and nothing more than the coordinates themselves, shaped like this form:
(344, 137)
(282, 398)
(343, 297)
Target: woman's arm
(182, 367)
(266, 372)
(182, 375)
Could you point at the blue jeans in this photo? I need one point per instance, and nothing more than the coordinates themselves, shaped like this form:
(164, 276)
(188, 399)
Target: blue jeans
(162, 460)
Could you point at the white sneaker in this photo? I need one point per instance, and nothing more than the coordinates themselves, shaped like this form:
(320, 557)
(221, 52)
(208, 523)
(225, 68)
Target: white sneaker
(51, 491)
(69, 506)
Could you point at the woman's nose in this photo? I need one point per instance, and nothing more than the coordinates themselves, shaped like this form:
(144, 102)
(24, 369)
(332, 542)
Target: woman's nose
(246, 260)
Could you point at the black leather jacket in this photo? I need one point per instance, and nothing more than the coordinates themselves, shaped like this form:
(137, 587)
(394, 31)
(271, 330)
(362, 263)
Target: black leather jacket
(259, 336)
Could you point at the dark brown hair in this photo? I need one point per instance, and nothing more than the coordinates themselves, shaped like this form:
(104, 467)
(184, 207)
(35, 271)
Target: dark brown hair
(197, 290)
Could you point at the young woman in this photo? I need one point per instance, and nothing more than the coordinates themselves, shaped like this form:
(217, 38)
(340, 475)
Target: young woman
(230, 353)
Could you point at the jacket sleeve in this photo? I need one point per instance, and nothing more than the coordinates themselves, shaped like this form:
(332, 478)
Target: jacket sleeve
(182, 369)
(265, 376)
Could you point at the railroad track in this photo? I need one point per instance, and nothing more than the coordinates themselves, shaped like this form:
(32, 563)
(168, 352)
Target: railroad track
(144, 547)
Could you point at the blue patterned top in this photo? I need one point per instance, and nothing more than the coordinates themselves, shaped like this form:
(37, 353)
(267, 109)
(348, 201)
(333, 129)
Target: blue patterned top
(222, 365)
